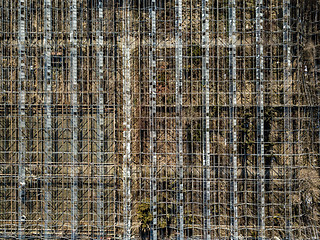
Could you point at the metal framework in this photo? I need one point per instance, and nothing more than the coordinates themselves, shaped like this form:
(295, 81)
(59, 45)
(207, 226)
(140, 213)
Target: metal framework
(74, 120)
(48, 157)
(22, 118)
(206, 119)
(179, 140)
(155, 119)
(233, 120)
(100, 123)
(260, 118)
(127, 108)
(153, 112)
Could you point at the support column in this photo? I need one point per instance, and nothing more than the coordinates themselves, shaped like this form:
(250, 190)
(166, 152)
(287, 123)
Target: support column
(260, 119)
(205, 120)
(126, 123)
(100, 122)
(233, 119)
(288, 133)
(179, 149)
(74, 119)
(22, 118)
(47, 118)
(153, 109)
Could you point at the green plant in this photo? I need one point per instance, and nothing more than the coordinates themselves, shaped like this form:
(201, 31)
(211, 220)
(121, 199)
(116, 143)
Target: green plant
(145, 217)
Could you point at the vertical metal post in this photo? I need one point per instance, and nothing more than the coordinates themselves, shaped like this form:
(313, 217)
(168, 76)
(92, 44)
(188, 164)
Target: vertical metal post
(233, 120)
(287, 98)
(126, 124)
(74, 122)
(179, 150)
(153, 109)
(100, 122)
(47, 117)
(205, 119)
(260, 119)
(21, 117)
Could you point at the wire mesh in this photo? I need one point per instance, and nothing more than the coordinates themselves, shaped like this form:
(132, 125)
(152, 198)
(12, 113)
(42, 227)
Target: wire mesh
(159, 119)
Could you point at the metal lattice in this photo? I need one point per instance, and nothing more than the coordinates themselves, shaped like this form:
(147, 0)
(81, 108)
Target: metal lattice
(159, 119)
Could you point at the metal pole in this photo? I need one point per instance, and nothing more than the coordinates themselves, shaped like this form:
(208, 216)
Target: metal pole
(233, 120)
(287, 98)
(153, 109)
(21, 118)
(47, 117)
(260, 119)
(179, 150)
(74, 123)
(127, 125)
(205, 119)
(100, 123)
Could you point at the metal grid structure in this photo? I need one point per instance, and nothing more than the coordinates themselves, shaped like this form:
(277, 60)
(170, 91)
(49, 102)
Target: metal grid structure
(159, 119)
